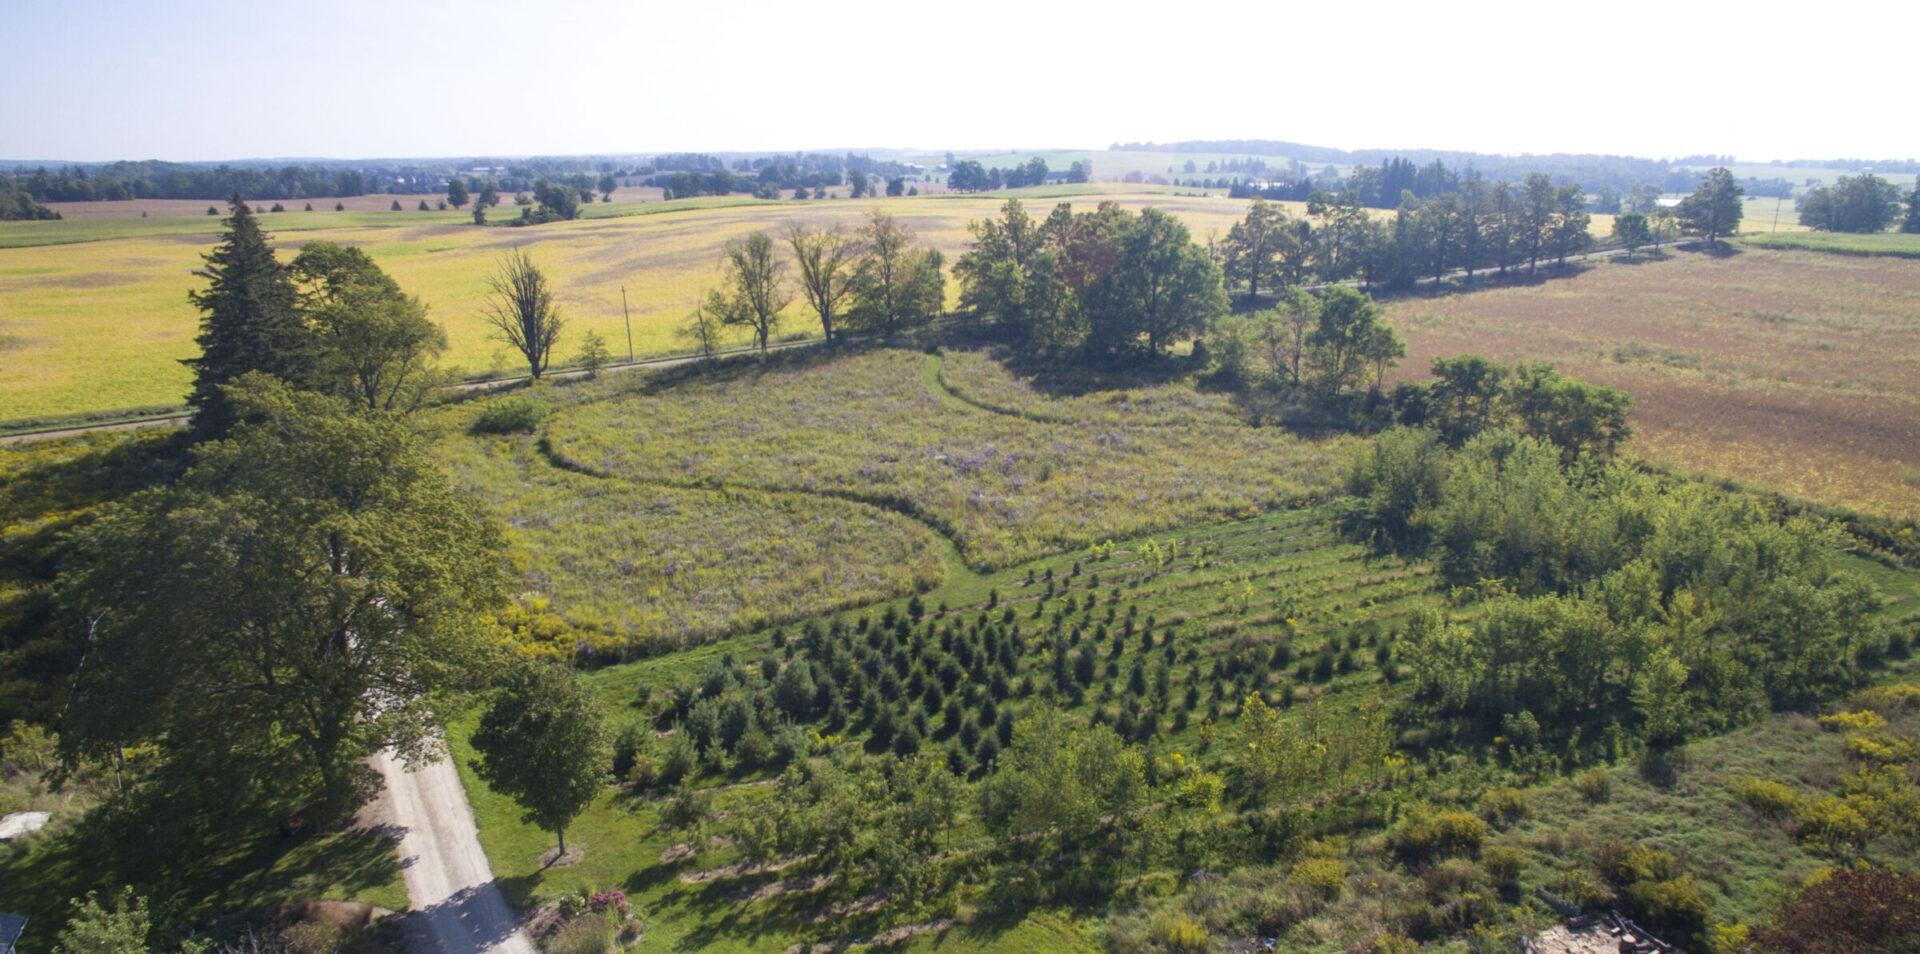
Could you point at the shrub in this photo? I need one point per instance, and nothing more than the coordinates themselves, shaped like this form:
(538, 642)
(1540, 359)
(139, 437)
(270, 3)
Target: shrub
(1324, 875)
(1439, 835)
(1833, 822)
(1595, 785)
(1504, 864)
(1889, 700)
(587, 934)
(1582, 888)
(1865, 720)
(513, 414)
(1770, 800)
(1177, 932)
(1503, 805)
(1623, 864)
(1673, 907)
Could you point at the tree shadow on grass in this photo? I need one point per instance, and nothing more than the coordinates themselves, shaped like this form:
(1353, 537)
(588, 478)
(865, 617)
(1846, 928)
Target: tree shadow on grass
(1638, 259)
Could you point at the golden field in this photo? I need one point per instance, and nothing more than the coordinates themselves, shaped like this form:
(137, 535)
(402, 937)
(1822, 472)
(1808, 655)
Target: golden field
(1795, 371)
(98, 326)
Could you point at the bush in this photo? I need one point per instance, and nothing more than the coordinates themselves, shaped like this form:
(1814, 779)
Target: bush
(1440, 835)
(513, 414)
(1177, 932)
(1324, 875)
(1674, 907)
(1595, 785)
(1834, 823)
(1770, 800)
(1504, 864)
(587, 934)
(1504, 805)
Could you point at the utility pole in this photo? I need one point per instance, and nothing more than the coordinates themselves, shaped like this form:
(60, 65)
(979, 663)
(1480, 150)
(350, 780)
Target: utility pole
(624, 313)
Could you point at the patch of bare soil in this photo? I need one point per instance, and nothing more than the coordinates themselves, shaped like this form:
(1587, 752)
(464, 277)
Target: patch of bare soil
(741, 869)
(774, 889)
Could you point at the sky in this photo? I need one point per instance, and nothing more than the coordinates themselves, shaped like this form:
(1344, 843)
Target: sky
(196, 80)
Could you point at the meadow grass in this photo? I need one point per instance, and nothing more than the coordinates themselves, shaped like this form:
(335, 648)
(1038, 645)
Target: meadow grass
(102, 325)
(1055, 395)
(1790, 371)
(659, 567)
(1893, 244)
(877, 427)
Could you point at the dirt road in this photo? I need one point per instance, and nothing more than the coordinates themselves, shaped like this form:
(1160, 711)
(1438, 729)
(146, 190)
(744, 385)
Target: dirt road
(457, 907)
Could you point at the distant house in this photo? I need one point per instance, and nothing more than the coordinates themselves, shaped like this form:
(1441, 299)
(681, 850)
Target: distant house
(10, 927)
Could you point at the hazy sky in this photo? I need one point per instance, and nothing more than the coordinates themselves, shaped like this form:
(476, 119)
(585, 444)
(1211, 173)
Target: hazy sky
(212, 79)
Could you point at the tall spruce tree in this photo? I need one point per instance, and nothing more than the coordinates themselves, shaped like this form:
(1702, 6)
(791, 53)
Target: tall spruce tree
(250, 321)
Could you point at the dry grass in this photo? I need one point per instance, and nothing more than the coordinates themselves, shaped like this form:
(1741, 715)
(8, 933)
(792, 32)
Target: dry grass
(1795, 371)
(101, 325)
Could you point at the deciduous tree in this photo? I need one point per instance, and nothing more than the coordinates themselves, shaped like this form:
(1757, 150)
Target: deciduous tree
(543, 741)
(376, 346)
(1345, 340)
(1861, 204)
(753, 279)
(1254, 245)
(1631, 230)
(826, 257)
(457, 192)
(284, 610)
(520, 308)
(1162, 287)
(1714, 209)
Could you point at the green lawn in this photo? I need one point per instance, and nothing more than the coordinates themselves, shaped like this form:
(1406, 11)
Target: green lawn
(1891, 244)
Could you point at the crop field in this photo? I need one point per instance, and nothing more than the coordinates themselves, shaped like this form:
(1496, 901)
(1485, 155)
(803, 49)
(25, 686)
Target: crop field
(1792, 371)
(1175, 629)
(100, 325)
(878, 427)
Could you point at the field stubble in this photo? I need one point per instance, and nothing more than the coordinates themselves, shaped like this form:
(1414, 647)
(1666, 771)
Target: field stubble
(1797, 372)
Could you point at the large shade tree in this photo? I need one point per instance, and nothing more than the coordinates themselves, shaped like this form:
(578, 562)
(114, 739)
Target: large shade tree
(1161, 288)
(283, 611)
(376, 344)
(1714, 209)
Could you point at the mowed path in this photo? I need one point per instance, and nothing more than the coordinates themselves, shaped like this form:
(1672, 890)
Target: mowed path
(450, 887)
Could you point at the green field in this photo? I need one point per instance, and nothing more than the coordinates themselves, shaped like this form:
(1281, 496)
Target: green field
(1889, 244)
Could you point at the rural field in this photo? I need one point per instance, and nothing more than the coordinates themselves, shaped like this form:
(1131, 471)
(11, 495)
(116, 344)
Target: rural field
(1793, 371)
(660, 513)
(100, 325)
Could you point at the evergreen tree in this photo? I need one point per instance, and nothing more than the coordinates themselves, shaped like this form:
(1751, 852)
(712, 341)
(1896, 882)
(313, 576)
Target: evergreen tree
(457, 192)
(250, 321)
(1912, 224)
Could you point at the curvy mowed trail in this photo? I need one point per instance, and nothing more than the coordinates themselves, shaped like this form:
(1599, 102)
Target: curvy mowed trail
(878, 427)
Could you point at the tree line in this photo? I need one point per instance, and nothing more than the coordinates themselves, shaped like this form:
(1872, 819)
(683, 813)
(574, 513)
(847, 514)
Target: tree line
(969, 175)
(1860, 204)
(1492, 226)
(872, 279)
(167, 180)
